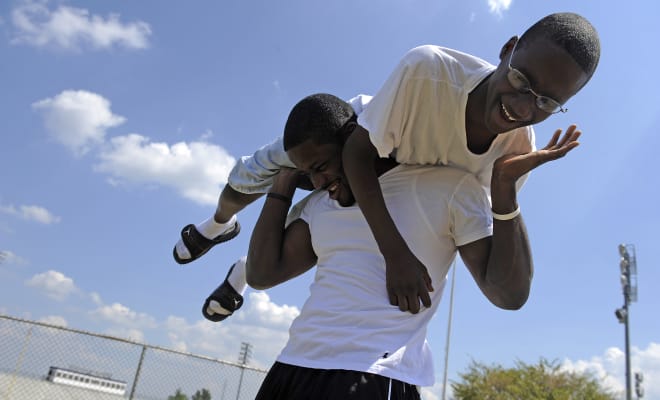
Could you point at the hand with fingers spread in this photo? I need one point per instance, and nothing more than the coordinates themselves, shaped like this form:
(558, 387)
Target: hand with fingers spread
(502, 264)
(510, 167)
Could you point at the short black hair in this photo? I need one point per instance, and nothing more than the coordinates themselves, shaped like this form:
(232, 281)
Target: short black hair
(320, 117)
(573, 33)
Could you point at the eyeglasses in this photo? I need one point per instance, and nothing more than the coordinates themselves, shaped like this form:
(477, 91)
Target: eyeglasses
(520, 82)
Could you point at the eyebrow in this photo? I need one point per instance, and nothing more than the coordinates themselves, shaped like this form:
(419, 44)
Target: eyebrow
(318, 164)
(533, 82)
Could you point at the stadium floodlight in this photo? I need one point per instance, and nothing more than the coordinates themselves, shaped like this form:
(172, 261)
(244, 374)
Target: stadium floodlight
(628, 278)
(243, 357)
(621, 315)
(639, 389)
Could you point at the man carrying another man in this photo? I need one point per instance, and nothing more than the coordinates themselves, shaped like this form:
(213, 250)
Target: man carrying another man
(349, 341)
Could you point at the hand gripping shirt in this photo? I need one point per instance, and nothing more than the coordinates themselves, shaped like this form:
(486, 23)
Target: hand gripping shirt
(418, 116)
(347, 321)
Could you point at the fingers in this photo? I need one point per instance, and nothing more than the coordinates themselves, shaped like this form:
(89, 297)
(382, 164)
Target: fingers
(553, 140)
(426, 299)
(572, 134)
(403, 303)
(408, 284)
(428, 281)
(394, 300)
(411, 303)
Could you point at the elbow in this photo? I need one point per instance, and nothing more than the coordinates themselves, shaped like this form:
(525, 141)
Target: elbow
(256, 279)
(511, 293)
(512, 301)
(257, 285)
(256, 282)
(509, 296)
(515, 304)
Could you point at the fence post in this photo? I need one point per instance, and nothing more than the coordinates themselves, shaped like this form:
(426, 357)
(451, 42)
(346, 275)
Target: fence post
(19, 363)
(137, 373)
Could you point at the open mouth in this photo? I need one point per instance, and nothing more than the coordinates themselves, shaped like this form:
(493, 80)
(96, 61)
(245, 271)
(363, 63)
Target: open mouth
(333, 189)
(507, 115)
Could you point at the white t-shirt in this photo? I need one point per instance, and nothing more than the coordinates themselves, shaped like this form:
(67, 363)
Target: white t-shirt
(419, 114)
(347, 321)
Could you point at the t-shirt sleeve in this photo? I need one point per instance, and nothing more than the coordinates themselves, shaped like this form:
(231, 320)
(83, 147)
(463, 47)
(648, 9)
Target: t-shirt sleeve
(303, 208)
(385, 116)
(471, 218)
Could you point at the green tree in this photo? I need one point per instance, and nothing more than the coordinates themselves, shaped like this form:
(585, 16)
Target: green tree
(542, 381)
(178, 396)
(203, 394)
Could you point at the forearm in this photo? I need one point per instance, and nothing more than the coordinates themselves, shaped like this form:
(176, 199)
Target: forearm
(266, 248)
(358, 160)
(510, 267)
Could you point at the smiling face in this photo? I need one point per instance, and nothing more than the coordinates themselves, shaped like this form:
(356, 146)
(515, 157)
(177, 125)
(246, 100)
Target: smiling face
(322, 162)
(551, 73)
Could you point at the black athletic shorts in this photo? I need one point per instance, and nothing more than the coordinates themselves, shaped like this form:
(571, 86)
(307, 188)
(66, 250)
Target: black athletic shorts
(290, 382)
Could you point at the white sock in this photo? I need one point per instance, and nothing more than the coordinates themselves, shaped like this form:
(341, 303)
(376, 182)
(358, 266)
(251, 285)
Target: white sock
(237, 278)
(182, 250)
(215, 308)
(211, 229)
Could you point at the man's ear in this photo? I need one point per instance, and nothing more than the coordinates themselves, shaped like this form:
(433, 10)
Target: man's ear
(347, 130)
(508, 46)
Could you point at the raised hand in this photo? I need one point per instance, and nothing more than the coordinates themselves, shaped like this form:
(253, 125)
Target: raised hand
(510, 167)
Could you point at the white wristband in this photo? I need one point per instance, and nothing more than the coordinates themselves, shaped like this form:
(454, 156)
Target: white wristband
(506, 217)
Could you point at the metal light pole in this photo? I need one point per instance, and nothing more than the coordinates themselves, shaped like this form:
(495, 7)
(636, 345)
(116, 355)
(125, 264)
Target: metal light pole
(451, 313)
(628, 265)
(243, 358)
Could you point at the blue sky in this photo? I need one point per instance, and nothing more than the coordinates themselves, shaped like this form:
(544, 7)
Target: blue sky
(121, 121)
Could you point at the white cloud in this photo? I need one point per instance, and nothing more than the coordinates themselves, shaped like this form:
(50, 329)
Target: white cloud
(435, 392)
(55, 284)
(71, 28)
(9, 258)
(195, 170)
(126, 319)
(31, 213)
(498, 6)
(78, 119)
(262, 311)
(609, 368)
(96, 298)
(135, 335)
(261, 323)
(54, 320)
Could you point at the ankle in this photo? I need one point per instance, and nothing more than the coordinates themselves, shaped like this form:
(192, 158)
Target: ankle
(211, 229)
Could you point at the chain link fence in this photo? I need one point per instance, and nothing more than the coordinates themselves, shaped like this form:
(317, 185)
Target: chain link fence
(40, 361)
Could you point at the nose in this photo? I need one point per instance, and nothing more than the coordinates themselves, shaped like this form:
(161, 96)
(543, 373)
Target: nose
(318, 179)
